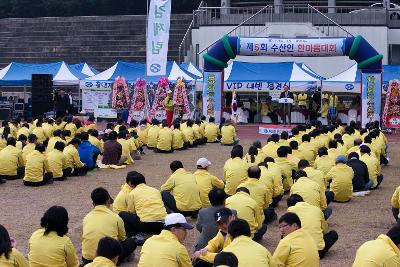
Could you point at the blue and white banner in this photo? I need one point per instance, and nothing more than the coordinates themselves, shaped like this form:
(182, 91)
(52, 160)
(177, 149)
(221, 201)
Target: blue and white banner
(307, 47)
(370, 97)
(212, 88)
(157, 37)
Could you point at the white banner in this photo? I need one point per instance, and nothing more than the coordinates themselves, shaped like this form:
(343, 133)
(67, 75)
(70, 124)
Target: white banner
(307, 47)
(371, 97)
(96, 98)
(157, 37)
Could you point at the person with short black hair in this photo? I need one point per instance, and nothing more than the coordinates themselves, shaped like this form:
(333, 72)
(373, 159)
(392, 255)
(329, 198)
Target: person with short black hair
(57, 162)
(235, 170)
(180, 193)
(270, 149)
(307, 149)
(52, 141)
(288, 167)
(167, 249)
(50, 245)
(248, 252)
(127, 149)
(373, 164)
(341, 176)
(165, 139)
(361, 181)
(11, 161)
(297, 247)
(179, 141)
(88, 152)
(39, 132)
(205, 221)
(212, 131)
(226, 259)
(228, 134)
(94, 140)
(112, 154)
(107, 254)
(21, 142)
(9, 255)
(101, 222)
(323, 162)
(313, 220)
(383, 251)
(73, 160)
(37, 171)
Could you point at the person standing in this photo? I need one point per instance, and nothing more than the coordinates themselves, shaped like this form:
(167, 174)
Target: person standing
(286, 94)
(169, 107)
(61, 104)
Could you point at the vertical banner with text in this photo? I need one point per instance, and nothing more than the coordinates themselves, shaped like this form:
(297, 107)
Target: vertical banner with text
(157, 37)
(212, 87)
(371, 97)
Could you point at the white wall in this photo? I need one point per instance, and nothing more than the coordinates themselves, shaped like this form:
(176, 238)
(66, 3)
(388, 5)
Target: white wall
(327, 67)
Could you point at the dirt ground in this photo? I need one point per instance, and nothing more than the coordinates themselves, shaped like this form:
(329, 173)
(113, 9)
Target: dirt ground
(359, 220)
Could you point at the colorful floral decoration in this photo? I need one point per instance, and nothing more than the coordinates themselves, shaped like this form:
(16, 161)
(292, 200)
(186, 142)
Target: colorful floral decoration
(181, 98)
(140, 100)
(391, 112)
(120, 96)
(161, 94)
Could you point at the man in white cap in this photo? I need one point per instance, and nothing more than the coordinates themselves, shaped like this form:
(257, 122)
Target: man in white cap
(206, 181)
(169, 107)
(166, 249)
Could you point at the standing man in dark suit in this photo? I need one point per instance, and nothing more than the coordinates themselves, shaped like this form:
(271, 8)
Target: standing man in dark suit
(286, 94)
(61, 103)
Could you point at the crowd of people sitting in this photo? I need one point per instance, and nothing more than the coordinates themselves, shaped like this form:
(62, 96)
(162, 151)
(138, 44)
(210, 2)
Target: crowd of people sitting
(314, 166)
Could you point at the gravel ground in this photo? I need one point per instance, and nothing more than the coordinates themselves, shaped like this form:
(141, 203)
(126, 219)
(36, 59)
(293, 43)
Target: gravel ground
(359, 220)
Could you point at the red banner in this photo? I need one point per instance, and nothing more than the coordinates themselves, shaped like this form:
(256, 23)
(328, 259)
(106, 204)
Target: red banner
(391, 113)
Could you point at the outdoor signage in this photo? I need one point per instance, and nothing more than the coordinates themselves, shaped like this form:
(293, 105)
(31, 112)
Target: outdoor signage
(306, 47)
(212, 95)
(96, 98)
(391, 113)
(157, 37)
(370, 97)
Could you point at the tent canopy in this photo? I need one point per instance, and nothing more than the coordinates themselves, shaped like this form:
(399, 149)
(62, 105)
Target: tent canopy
(238, 71)
(83, 70)
(353, 75)
(133, 71)
(192, 69)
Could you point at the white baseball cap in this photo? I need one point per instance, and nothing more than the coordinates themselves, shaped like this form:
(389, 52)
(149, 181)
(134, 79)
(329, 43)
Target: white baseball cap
(177, 218)
(203, 162)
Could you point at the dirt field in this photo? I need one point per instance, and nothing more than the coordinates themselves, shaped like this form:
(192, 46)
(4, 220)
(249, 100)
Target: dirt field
(359, 220)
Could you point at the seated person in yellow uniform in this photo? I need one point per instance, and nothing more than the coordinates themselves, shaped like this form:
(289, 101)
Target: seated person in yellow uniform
(90, 124)
(212, 131)
(50, 245)
(73, 160)
(48, 128)
(342, 180)
(32, 142)
(21, 143)
(107, 253)
(190, 134)
(288, 167)
(383, 251)
(142, 132)
(57, 162)
(251, 157)
(373, 164)
(11, 162)
(164, 139)
(396, 204)
(55, 138)
(101, 222)
(179, 141)
(37, 171)
(152, 134)
(235, 170)
(180, 193)
(228, 134)
(127, 148)
(9, 255)
(66, 135)
(197, 127)
(94, 140)
(205, 256)
(39, 132)
(323, 162)
(271, 177)
(24, 130)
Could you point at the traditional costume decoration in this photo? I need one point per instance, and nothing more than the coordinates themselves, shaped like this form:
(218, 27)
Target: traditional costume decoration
(120, 96)
(181, 98)
(234, 109)
(140, 102)
(158, 109)
(391, 112)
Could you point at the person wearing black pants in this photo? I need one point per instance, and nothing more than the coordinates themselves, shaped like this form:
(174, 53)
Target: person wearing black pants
(134, 226)
(170, 203)
(330, 238)
(47, 179)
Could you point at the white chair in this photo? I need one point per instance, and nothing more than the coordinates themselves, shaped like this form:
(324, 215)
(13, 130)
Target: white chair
(352, 116)
(343, 117)
(266, 119)
(324, 121)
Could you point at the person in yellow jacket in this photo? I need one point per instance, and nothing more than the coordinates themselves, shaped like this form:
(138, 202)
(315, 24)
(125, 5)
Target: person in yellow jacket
(212, 131)
(153, 134)
(324, 108)
(57, 162)
(317, 176)
(179, 141)
(383, 251)
(199, 132)
(94, 139)
(223, 217)
(288, 167)
(260, 154)
(9, 255)
(11, 162)
(142, 132)
(37, 170)
(270, 149)
(101, 222)
(296, 153)
(247, 251)
(39, 132)
(259, 192)
(127, 148)
(48, 128)
(28, 148)
(235, 170)
(395, 200)
(323, 162)
(169, 107)
(73, 160)
(313, 221)
(206, 181)
(248, 209)
(302, 100)
(307, 149)
(50, 245)
(373, 164)
(228, 134)
(180, 192)
(271, 177)
(54, 139)
(107, 253)
(24, 130)
(251, 157)
(297, 248)
(189, 133)
(342, 177)
(164, 139)
(167, 249)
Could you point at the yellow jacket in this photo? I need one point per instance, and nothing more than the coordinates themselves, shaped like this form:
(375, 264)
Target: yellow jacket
(324, 110)
(36, 166)
(97, 143)
(247, 209)
(178, 139)
(51, 250)
(121, 200)
(396, 198)
(287, 168)
(146, 203)
(27, 149)
(310, 191)
(215, 246)
(272, 179)
(317, 176)
(98, 223)
(302, 98)
(228, 134)
(270, 149)
(57, 163)
(312, 220)
(324, 164)
(374, 167)
(235, 172)
(307, 149)
(48, 130)
(164, 250)
(164, 139)
(205, 182)
(297, 249)
(184, 188)
(152, 136)
(142, 133)
(342, 185)
(101, 262)
(23, 130)
(379, 252)
(72, 128)
(189, 134)
(211, 132)
(126, 150)
(258, 192)
(52, 141)
(15, 259)
(250, 253)
(169, 104)
(10, 160)
(72, 158)
(39, 132)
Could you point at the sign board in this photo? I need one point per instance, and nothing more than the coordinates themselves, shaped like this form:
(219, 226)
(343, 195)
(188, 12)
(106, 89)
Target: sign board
(212, 88)
(96, 98)
(273, 129)
(370, 97)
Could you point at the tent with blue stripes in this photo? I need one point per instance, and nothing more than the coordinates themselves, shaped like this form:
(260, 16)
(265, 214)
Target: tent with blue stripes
(192, 69)
(83, 70)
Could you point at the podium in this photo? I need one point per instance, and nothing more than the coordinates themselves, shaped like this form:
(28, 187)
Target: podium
(286, 102)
